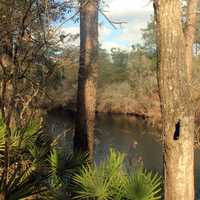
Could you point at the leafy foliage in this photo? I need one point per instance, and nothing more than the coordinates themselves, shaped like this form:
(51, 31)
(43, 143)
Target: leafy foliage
(110, 180)
(142, 185)
(24, 170)
(31, 171)
(62, 168)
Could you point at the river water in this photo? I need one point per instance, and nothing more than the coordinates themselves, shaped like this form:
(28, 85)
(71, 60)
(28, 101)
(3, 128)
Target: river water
(128, 134)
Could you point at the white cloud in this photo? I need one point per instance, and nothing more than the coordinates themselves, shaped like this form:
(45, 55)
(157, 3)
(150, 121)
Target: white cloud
(119, 9)
(109, 45)
(136, 14)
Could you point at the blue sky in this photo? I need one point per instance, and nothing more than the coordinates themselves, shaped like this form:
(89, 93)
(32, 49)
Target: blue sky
(136, 14)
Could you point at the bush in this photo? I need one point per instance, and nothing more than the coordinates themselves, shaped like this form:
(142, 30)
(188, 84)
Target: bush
(110, 180)
(23, 176)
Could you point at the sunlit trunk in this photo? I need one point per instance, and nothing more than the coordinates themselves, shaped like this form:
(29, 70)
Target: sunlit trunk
(2, 196)
(177, 112)
(87, 78)
(190, 34)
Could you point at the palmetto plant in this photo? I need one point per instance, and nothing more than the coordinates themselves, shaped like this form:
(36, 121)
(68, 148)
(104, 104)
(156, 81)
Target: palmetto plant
(36, 167)
(62, 167)
(101, 182)
(110, 180)
(24, 175)
(142, 185)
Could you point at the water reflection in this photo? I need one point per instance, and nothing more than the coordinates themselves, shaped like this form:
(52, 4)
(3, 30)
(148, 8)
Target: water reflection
(130, 135)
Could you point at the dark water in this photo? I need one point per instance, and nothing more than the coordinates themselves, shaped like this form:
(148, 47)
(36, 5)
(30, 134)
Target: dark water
(130, 135)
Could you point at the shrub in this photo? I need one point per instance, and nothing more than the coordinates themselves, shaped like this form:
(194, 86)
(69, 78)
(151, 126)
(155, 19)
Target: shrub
(110, 180)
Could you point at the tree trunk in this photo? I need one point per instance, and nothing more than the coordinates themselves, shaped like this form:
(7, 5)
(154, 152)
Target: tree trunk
(87, 78)
(2, 196)
(177, 112)
(190, 34)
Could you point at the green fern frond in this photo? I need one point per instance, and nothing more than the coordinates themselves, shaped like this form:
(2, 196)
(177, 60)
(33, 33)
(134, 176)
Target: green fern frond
(142, 185)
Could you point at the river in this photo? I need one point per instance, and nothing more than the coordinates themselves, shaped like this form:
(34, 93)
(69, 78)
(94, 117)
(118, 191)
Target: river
(133, 136)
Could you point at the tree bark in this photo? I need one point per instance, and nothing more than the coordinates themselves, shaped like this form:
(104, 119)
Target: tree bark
(176, 107)
(190, 34)
(2, 196)
(87, 78)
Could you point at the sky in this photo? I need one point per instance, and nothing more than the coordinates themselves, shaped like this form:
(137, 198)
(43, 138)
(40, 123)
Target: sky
(135, 14)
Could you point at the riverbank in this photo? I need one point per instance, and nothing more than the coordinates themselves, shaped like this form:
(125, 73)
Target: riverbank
(116, 98)
(147, 109)
(119, 99)
(152, 121)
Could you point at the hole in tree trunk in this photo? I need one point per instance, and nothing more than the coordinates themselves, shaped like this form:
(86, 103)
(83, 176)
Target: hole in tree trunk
(177, 130)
